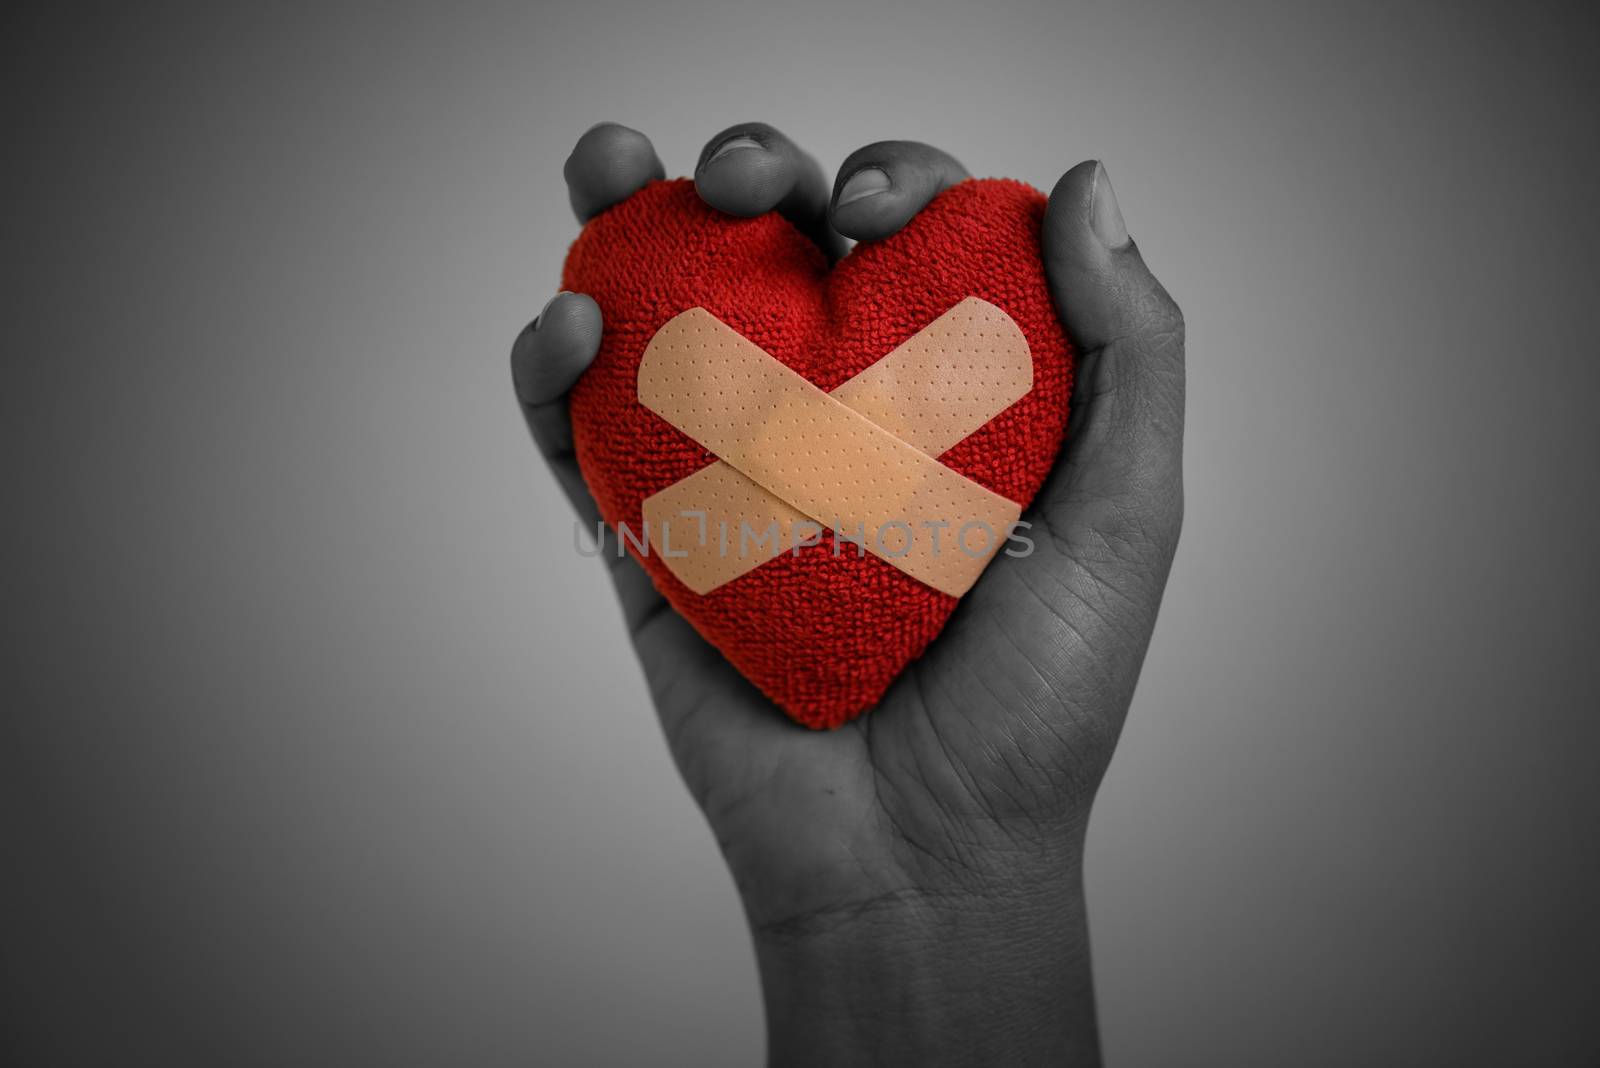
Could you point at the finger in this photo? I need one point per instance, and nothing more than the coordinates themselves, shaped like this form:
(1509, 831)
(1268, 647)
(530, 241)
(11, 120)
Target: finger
(546, 359)
(751, 169)
(1124, 455)
(609, 164)
(882, 186)
(553, 351)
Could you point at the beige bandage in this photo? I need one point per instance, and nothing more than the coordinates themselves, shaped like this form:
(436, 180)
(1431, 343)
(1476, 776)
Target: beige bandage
(859, 461)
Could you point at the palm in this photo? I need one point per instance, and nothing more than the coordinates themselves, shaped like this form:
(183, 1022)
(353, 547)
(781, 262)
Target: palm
(994, 740)
(991, 738)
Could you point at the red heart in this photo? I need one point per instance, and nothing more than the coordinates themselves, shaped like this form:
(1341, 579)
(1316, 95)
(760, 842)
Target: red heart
(823, 635)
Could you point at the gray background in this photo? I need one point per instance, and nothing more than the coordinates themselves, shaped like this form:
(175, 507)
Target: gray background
(320, 748)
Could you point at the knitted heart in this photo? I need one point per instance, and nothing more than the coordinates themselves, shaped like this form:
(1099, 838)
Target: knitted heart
(822, 631)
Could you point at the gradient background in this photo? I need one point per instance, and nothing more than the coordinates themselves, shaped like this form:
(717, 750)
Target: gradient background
(319, 748)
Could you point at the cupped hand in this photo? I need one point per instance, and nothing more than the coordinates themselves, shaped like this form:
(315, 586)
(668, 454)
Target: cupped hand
(943, 829)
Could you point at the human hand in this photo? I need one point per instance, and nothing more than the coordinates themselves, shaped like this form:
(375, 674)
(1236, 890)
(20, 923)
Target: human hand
(913, 879)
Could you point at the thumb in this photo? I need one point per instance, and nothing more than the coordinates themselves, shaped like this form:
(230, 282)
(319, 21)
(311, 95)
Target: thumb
(1122, 472)
(1076, 611)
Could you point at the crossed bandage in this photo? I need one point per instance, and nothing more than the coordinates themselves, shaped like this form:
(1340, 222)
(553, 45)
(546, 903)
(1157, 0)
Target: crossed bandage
(860, 460)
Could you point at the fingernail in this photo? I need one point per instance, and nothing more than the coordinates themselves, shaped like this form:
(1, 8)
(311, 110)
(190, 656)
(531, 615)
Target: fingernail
(867, 182)
(1104, 214)
(551, 303)
(730, 146)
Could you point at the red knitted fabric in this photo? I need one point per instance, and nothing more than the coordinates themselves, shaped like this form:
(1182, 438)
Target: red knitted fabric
(822, 635)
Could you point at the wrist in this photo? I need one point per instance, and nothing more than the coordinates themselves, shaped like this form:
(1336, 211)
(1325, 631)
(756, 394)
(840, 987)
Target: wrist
(989, 971)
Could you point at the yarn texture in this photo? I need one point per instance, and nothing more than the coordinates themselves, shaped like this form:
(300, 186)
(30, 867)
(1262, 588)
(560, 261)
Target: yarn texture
(823, 631)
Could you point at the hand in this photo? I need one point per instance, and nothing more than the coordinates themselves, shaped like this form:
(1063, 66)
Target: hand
(913, 879)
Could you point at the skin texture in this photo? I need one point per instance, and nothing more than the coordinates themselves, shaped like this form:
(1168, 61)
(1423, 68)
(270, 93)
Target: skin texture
(913, 880)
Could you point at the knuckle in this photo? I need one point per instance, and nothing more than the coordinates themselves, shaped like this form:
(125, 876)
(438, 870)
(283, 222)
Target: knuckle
(885, 154)
(609, 162)
(604, 135)
(1159, 316)
(914, 157)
